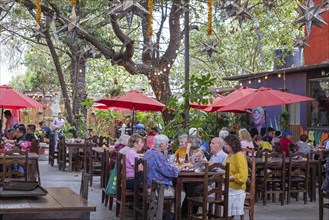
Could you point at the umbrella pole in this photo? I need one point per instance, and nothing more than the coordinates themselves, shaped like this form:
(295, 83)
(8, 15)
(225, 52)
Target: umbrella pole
(132, 128)
(2, 108)
(265, 120)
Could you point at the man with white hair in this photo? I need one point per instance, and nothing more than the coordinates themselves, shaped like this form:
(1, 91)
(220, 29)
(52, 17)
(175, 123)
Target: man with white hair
(158, 167)
(218, 156)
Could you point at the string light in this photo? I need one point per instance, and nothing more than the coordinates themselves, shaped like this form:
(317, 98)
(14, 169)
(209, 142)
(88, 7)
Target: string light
(168, 65)
(249, 81)
(240, 84)
(80, 70)
(279, 75)
(266, 77)
(259, 80)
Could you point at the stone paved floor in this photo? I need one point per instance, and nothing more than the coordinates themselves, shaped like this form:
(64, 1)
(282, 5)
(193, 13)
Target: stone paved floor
(50, 176)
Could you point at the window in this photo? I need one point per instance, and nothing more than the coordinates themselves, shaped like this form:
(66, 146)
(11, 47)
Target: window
(319, 112)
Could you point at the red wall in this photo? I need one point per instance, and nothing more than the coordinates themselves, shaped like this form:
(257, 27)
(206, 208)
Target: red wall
(318, 52)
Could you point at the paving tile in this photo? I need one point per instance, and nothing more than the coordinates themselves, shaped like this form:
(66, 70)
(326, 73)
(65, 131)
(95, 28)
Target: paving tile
(51, 176)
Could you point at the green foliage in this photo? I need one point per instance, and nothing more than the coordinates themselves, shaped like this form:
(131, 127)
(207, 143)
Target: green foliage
(199, 92)
(284, 119)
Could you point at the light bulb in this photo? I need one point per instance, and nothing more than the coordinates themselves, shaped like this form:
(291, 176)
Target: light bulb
(266, 77)
(249, 81)
(279, 75)
(259, 80)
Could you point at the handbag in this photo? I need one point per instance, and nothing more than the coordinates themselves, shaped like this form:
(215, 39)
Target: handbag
(111, 188)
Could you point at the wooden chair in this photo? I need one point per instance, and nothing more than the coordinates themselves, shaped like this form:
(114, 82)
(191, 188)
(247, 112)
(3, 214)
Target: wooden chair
(12, 162)
(84, 187)
(35, 147)
(122, 191)
(155, 210)
(93, 163)
(140, 189)
(109, 162)
(298, 175)
(52, 154)
(273, 180)
(62, 154)
(323, 196)
(250, 191)
(215, 193)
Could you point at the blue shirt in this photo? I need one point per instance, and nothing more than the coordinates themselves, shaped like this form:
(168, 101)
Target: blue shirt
(205, 144)
(219, 157)
(47, 131)
(159, 169)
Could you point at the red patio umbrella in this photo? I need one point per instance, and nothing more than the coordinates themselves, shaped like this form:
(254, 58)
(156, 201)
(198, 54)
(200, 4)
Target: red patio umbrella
(11, 99)
(263, 97)
(226, 100)
(201, 106)
(133, 100)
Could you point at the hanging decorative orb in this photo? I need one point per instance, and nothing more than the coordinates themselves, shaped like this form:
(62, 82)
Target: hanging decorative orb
(310, 15)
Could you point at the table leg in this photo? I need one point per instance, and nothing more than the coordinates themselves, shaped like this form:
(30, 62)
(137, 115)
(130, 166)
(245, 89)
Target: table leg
(70, 158)
(313, 182)
(178, 192)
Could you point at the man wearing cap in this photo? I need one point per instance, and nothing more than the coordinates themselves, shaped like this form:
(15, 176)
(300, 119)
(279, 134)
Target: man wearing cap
(286, 140)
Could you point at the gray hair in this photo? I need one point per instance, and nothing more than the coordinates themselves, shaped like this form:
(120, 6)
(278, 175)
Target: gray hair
(183, 136)
(223, 134)
(160, 139)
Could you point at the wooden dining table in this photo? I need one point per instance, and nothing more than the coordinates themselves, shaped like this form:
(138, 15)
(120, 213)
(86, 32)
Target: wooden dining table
(186, 177)
(59, 203)
(73, 147)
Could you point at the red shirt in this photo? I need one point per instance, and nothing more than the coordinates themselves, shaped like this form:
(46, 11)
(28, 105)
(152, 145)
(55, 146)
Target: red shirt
(286, 142)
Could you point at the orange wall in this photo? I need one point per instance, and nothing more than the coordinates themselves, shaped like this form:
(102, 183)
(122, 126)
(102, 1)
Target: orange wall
(318, 52)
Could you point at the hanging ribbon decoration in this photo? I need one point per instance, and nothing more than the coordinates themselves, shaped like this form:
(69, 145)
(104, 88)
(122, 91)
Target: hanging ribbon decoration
(150, 18)
(38, 14)
(209, 28)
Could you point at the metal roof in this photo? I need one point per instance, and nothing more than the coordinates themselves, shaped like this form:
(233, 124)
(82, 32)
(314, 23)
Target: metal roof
(285, 70)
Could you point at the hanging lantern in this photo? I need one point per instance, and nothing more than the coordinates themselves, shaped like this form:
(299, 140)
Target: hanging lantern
(38, 14)
(150, 18)
(209, 29)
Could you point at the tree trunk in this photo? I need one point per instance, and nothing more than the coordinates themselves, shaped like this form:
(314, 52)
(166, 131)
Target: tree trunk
(60, 74)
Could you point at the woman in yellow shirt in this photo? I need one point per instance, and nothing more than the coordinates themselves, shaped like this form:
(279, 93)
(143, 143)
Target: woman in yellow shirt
(238, 175)
(181, 151)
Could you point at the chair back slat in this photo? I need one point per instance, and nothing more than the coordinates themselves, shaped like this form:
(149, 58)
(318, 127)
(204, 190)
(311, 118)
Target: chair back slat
(155, 211)
(140, 188)
(218, 184)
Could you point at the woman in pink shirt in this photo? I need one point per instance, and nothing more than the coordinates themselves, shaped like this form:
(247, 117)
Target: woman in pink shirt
(245, 140)
(136, 144)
